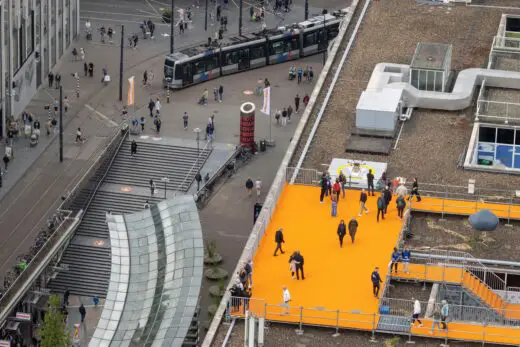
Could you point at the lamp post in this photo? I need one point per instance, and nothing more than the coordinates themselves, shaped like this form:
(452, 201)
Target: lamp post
(206, 18)
(325, 37)
(172, 26)
(121, 63)
(240, 18)
(165, 180)
(61, 124)
(197, 131)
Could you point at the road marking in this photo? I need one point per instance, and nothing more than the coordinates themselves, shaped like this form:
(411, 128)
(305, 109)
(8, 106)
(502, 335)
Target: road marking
(101, 115)
(161, 3)
(121, 14)
(153, 8)
(150, 14)
(110, 20)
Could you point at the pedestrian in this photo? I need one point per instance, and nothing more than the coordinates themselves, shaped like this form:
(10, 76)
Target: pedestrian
(445, 312)
(336, 189)
(78, 135)
(266, 83)
(415, 191)
(310, 77)
(406, 255)
(85, 68)
(185, 120)
(324, 186)
(300, 74)
(299, 265)
(215, 93)
(157, 107)
(370, 182)
(143, 121)
(258, 186)
(145, 78)
(136, 39)
(248, 267)
(436, 318)
(401, 204)
(278, 238)
(75, 53)
(292, 267)
(51, 79)
(342, 231)
(152, 187)
(82, 54)
(82, 312)
(284, 117)
(286, 299)
(57, 78)
(220, 93)
(146, 205)
(66, 104)
(277, 116)
(343, 182)
(66, 297)
(289, 113)
(401, 190)
(157, 121)
(376, 282)
(380, 207)
(95, 300)
(416, 312)
(362, 202)
(306, 99)
(296, 103)
(387, 195)
(395, 260)
(133, 148)
(334, 205)
(249, 186)
(352, 229)
(91, 69)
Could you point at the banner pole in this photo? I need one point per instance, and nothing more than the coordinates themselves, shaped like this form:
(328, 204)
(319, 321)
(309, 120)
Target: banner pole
(270, 128)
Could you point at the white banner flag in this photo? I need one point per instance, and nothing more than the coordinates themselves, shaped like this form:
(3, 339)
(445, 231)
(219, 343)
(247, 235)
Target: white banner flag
(266, 109)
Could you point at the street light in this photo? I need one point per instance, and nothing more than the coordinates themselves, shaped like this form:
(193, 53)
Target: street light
(172, 25)
(325, 37)
(165, 180)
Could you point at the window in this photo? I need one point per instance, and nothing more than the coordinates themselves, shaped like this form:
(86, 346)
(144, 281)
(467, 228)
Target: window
(205, 64)
(276, 47)
(285, 45)
(257, 52)
(199, 67)
(231, 58)
(506, 136)
(244, 54)
(310, 39)
(486, 134)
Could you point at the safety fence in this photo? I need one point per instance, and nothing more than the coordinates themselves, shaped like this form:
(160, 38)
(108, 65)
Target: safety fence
(508, 112)
(312, 177)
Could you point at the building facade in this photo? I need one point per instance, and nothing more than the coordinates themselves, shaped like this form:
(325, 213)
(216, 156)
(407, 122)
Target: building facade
(36, 34)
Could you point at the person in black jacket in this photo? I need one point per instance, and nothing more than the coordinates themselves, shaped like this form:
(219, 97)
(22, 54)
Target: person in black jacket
(376, 282)
(324, 186)
(82, 312)
(299, 264)
(415, 191)
(387, 195)
(363, 197)
(370, 182)
(249, 186)
(133, 148)
(381, 207)
(352, 228)
(342, 231)
(278, 238)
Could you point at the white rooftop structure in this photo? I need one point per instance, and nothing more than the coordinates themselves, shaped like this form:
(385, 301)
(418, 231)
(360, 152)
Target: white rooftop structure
(378, 110)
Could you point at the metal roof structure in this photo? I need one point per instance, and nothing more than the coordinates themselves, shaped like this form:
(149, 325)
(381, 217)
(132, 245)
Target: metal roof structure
(431, 56)
(156, 276)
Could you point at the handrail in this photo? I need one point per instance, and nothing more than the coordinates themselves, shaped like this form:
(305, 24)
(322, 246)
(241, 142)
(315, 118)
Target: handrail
(112, 159)
(38, 264)
(209, 143)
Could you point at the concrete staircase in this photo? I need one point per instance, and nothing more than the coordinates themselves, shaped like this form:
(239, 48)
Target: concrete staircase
(156, 162)
(88, 255)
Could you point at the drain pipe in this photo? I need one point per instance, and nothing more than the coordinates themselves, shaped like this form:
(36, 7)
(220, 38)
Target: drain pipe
(469, 260)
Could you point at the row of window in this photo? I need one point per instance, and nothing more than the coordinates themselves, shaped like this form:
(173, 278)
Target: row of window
(499, 135)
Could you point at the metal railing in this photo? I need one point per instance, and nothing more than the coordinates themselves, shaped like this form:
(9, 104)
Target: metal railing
(195, 165)
(498, 110)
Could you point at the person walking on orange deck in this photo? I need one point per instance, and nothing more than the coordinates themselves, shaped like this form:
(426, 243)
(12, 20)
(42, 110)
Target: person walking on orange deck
(376, 282)
(343, 182)
(401, 204)
(363, 197)
(334, 205)
(416, 312)
(406, 255)
(370, 182)
(387, 195)
(286, 299)
(336, 189)
(342, 231)
(324, 186)
(415, 191)
(278, 238)
(395, 260)
(381, 207)
(299, 264)
(352, 229)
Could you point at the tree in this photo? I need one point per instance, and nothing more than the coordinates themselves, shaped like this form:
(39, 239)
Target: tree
(54, 333)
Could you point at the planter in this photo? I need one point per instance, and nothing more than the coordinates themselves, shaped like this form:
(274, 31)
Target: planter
(216, 274)
(213, 260)
(217, 291)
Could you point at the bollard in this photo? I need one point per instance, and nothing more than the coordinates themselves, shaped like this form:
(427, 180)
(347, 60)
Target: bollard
(168, 95)
(77, 85)
(373, 337)
(410, 339)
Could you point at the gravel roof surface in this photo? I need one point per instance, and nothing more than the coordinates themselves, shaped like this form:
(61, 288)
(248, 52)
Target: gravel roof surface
(278, 335)
(432, 141)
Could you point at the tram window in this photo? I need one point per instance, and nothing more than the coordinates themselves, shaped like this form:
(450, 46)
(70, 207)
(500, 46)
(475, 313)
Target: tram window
(168, 71)
(310, 39)
(231, 58)
(276, 47)
(205, 64)
(211, 63)
(199, 67)
(244, 53)
(291, 45)
(179, 71)
(257, 52)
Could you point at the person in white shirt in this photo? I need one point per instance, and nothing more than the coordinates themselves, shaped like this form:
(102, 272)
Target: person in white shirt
(78, 135)
(401, 190)
(157, 107)
(416, 312)
(286, 299)
(258, 186)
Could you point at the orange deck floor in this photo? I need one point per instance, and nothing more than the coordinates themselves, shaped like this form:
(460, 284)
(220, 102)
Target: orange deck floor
(335, 278)
(338, 279)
